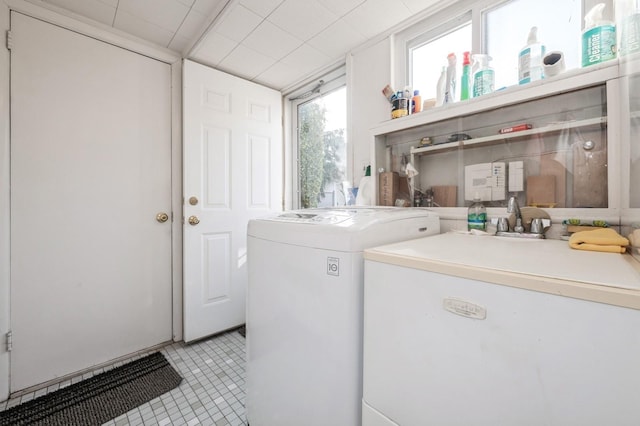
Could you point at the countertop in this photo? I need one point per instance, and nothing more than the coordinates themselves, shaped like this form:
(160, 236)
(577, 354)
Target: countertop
(548, 266)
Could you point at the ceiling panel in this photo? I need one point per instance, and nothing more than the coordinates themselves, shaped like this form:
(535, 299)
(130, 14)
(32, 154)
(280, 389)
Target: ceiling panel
(375, 16)
(245, 62)
(261, 7)
(214, 49)
(238, 23)
(302, 19)
(280, 75)
(271, 41)
(193, 25)
(341, 7)
(141, 28)
(336, 40)
(275, 42)
(92, 9)
(167, 14)
(306, 59)
(208, 7)
(417, 6)
(179, 43)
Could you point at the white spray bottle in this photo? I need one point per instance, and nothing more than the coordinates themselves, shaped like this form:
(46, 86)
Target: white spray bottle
(441, 87)
(598, 37)
(530, 59)
(450, 88)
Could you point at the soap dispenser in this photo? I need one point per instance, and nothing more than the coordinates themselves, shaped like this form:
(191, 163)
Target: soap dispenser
(477, 215)
(530, 59)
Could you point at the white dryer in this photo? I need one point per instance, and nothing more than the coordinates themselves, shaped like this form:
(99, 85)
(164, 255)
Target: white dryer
(305, 310)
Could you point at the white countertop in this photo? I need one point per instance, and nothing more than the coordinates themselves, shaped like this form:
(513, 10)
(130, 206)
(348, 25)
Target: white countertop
(549, 266)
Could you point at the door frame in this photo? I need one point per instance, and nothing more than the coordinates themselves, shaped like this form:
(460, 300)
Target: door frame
(59, 17)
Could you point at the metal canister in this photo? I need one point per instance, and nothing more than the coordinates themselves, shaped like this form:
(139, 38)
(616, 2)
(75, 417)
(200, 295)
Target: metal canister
(399, 107)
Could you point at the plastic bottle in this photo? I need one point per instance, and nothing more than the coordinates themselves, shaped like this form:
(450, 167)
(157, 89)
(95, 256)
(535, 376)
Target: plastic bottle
(598, 38)
(407, 93)
(630, 31)
(466, 74)
(450, 85)
(483, 75)
(441, 87)
(477, 215)
(416, 101)
(530, 59)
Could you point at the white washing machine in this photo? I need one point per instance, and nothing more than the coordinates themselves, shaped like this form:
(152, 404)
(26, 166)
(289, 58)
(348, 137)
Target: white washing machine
(305, 310)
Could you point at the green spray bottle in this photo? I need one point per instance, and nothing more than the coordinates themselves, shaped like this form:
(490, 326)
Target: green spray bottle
(483, 75)
(466, 74)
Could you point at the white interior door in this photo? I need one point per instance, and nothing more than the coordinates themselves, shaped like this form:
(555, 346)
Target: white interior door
(232, 173)
(90, 170)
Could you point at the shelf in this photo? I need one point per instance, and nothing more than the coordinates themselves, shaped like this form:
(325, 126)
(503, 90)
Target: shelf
(568, 81)
(506, 136)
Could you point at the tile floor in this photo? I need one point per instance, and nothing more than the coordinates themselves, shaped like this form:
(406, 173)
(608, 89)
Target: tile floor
(212, 392)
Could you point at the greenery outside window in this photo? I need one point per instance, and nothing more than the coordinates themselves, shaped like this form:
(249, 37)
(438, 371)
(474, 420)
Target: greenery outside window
(321, 147)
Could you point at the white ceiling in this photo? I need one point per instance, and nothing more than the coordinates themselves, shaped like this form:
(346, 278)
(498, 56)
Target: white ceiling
(273, 42)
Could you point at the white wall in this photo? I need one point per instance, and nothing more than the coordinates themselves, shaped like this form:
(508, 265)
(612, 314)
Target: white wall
(368, 71)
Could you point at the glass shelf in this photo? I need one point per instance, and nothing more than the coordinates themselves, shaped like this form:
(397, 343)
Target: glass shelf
(555, 127)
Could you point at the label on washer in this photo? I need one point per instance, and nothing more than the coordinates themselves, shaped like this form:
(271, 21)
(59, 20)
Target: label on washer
(464, 308)
(333, 266)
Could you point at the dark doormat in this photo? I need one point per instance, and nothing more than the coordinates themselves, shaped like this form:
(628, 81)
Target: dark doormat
(100, 398)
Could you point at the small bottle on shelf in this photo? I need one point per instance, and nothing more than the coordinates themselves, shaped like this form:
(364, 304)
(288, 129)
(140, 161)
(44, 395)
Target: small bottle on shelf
(416, 102)
(483, 75)
(465, 82)
(477, 215)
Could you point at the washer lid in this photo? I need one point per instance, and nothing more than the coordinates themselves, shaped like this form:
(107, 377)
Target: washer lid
(314, 216)
(345, 229)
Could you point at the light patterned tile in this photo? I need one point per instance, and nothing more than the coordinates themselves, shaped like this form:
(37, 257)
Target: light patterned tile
(212, 392)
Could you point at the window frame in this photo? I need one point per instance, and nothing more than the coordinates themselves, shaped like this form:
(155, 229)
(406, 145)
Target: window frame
(445, 20)
(332, 81)
(434, 26)
(433, 34)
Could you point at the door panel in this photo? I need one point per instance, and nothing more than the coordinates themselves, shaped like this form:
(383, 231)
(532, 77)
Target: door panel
(90, 169)
(232, 173)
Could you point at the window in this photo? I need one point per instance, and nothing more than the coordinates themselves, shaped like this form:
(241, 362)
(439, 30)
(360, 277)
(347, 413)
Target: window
(506, 28)
(321, 148)
(497, 28)
(426, 57)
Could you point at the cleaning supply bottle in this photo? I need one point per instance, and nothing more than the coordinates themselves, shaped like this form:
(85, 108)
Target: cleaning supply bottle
(466, 75)
(407, 94)
(598, 38)
(530, 59)
(416, 101)
(450, 85)
(630, 31)
(441, 87)
(483, 75)
(477, 215)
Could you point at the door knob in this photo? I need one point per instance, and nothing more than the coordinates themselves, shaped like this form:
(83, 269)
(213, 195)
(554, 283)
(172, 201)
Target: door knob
(193, 220)
(162, 217)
